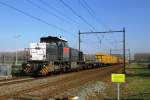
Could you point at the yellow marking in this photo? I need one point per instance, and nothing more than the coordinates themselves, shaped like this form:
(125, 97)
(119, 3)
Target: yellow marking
(45, 70)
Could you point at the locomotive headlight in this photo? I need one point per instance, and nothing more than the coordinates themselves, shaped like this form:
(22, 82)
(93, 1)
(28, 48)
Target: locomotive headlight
(28, 65)
(73, 98)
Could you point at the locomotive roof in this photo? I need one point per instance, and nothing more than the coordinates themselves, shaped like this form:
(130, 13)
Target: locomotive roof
(51, 39)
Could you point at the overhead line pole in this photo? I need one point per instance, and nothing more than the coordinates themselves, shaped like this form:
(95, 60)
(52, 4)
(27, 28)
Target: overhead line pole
(129, 56)
(79, 44)
(105, 32)
(110, 51)
(124, 54)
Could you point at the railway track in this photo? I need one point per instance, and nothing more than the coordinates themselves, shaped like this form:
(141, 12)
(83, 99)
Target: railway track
(15, 81)
(24, 79)
(52, 88)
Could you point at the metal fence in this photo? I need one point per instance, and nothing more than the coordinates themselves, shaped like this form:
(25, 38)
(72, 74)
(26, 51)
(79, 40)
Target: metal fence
(5, 70)
(10, 57)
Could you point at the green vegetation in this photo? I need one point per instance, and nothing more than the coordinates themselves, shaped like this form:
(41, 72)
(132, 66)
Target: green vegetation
(138, 83)
(137, 86)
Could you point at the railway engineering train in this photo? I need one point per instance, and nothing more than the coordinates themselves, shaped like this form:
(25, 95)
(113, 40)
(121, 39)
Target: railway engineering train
(53, 54)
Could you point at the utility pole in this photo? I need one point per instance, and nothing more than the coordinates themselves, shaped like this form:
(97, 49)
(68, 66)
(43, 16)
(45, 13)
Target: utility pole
(17, 37)
(129, 55)
(16, 62)
(110, 51)
(105, 32)
(3, 59)
(124, 54)
(79, 40)
(79, 45)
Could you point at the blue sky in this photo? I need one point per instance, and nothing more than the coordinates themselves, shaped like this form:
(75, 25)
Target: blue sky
(107, 14)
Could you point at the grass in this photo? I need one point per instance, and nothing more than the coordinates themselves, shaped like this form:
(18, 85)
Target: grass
(137, 86)
(138, 83)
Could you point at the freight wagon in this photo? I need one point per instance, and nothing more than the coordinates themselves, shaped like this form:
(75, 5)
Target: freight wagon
(106, 59)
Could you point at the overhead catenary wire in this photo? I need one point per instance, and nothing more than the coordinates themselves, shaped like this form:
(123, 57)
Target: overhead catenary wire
(78, 15)
(57, 11)
(100, 41)
(35, 18)
(90, 9)
(47, 11)
(92, 14)
(41, 7)
(102, 22)
(81, 18)
(85, 7)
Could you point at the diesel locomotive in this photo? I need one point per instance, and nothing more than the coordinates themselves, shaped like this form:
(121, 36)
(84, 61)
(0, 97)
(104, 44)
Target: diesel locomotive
(52, 54)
